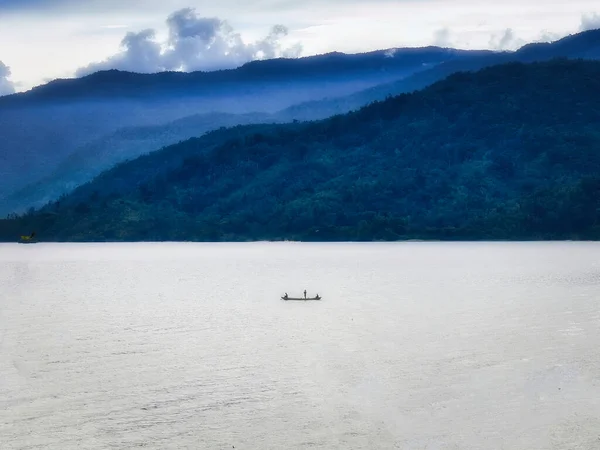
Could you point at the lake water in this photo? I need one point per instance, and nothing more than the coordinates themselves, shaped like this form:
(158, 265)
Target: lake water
(414, 346)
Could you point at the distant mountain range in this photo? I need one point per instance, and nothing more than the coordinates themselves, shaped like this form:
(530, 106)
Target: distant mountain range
(92, 158)
(585, 45)
(62, 134)
(506, 152)
(361, 68)
(44, 126)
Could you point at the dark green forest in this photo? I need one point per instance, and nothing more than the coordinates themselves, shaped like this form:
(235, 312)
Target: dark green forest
(509, 152)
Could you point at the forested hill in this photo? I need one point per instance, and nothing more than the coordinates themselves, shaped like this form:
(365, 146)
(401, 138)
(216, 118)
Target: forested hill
(43, 128)
(584, 45)
(509, 152)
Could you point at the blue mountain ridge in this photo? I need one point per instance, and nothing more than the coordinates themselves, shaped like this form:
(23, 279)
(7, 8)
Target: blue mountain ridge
(91, 153)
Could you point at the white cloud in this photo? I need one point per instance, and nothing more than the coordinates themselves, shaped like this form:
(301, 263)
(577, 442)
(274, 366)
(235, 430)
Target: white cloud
(590, 22)
(6, 86)
(500, 40)
(506, 41)
(548, 36)
(193, 43)
(55, 40)
(441, 37)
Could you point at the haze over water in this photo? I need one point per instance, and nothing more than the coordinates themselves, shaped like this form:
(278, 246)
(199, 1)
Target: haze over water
(414, 346)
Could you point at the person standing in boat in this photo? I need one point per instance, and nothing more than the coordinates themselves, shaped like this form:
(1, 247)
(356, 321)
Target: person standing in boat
(304, 293)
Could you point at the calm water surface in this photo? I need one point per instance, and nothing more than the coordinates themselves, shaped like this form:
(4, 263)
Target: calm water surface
(414, 346)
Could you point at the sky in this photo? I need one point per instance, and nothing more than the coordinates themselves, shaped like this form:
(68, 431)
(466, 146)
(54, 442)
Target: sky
(41, 40)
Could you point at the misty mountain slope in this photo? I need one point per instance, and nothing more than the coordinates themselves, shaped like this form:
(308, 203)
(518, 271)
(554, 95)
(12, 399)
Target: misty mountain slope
(585, 45)
(114, 84)
(508, 152)
(127, 143)
(42, 127)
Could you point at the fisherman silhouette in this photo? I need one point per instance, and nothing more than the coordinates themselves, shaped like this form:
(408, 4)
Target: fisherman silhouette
(304, 293)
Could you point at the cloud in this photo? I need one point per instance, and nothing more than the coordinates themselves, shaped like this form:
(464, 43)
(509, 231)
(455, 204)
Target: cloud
(589, 22)
(506, 41)
(6, 86)
(193, 43)
(549, 36)
(441, 38)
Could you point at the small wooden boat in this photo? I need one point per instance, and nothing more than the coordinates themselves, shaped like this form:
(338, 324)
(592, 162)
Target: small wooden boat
(28, 239)
(317, 297)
